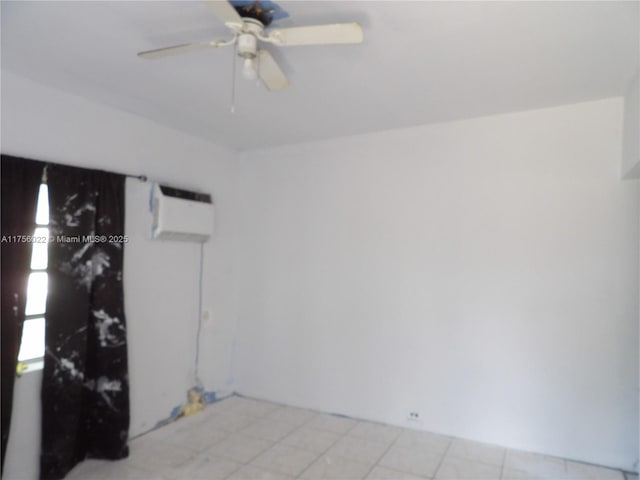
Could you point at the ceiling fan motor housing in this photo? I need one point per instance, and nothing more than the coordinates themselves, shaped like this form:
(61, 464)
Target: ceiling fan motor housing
(247, 38)
(247, 45)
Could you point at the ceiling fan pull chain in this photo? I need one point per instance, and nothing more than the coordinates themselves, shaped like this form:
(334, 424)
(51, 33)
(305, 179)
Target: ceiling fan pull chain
(233, 80)
(258, 69)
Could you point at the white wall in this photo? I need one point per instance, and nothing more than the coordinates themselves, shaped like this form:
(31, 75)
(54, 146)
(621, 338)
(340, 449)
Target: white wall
(631, 131)
(161, 278)
(483, 273)
(23, 455)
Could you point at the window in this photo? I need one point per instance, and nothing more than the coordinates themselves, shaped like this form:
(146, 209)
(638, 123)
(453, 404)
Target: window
(32, 343)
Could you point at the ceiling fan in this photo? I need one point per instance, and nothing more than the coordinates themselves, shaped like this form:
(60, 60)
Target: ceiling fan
(247, 23)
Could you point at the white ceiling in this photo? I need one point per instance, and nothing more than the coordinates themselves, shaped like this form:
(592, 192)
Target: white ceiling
(421, 62)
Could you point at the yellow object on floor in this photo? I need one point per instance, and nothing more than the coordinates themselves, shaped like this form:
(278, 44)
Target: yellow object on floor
(194, 405)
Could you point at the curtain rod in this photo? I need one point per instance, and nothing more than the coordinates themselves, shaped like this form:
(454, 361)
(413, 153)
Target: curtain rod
(142, 178)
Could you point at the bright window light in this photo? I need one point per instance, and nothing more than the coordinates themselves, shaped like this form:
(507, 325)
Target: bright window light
(36, 293)
(42, 210)
(39, 255)
(32, 345)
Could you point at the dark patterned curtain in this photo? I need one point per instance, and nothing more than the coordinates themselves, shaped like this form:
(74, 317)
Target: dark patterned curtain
(85, 391)
(20, 183)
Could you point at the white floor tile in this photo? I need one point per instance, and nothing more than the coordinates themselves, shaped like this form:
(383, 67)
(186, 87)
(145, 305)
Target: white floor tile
(422, 462)
(525, 465)
(111, 470)
(358, 449)
(230, 422)
(88, 470)
(375, 432)
(382, 473)
(581, 471)
(156, 456)
(308, 438)
(162, 432)
(269, 429)
(254, 473)
(240, 448)
(120, 471)
(478, 452)
(460, 469)
(335, 468)
(282, 459)
(332, 423)
(197, 438)
(292, 415)
(244, 439)
(430, 442)
(203, 467)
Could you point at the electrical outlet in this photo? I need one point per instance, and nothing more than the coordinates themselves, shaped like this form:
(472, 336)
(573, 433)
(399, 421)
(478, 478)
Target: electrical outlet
(414, 416)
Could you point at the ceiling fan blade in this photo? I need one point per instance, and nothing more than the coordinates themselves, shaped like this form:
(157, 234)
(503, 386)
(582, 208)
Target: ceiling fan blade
(225, 12)
(317, 34)
(184, 48)
(270, 73)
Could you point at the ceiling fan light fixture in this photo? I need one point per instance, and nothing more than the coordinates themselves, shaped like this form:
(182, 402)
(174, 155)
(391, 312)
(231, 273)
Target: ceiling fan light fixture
(249, 70)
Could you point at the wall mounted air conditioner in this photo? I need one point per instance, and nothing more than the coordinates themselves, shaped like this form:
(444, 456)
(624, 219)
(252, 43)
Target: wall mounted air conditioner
(181, 214)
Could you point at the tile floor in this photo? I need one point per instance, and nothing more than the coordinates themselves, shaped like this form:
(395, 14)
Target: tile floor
(244, 439)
